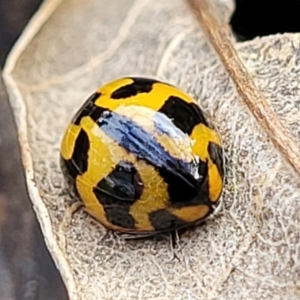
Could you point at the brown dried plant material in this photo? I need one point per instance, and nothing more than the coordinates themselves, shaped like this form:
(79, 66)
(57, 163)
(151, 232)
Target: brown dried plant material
(251, 248)
(219, 35)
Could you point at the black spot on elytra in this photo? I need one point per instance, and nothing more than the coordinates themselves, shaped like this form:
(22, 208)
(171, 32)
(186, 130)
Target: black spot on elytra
(68, 168)
(87, 108)
(216, 154)
(124, 183)
(96, 113)
(117, 191)
(183, 114)
(77, 164)
(118, 216)
(70, 173)
(179, 190)
(139, 85)
(162, 220)
(187, 192)
(203, 170)
(80, 155)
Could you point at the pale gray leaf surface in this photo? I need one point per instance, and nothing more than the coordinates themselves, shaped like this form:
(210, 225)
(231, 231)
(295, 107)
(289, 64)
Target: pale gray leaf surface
(250, 250)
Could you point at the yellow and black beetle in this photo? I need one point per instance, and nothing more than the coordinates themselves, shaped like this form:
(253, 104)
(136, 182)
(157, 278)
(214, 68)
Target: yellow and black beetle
(142, 157)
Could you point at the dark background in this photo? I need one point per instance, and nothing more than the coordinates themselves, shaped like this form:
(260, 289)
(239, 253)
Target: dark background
(27, 271)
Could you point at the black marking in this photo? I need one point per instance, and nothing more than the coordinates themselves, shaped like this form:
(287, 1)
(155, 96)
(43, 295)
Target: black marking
(68, 168)
(87, 108)
(183, 114)
(78, 163)
(70, 173)
(182, 194)
(203, 169)
(162, 220)
(123, 183)
(97, 112)
(178, 189)
(216, 154)
(117, 212)
(117, 192)
(80, 155)
(139, 85)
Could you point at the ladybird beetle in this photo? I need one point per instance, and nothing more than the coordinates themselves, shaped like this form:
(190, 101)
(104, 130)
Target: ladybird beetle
(142, 157)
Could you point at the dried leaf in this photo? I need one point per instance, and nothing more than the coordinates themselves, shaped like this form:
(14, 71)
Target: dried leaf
(251, 248)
